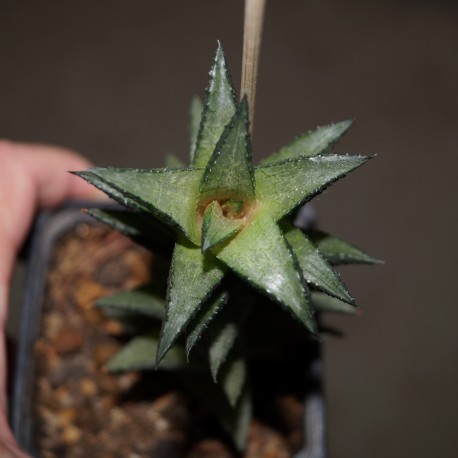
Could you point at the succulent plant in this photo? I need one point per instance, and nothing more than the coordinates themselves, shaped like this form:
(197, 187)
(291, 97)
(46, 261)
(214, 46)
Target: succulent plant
(226, 224)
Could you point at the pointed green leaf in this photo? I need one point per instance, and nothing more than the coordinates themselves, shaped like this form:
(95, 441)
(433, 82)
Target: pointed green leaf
(237, 420)
(218, 110)
(206, 314)
(222, 343)
(140, 354)
(91, 176)
(284, 186)
(312, 143)
(147, 300)
(315, 268)
(321, 302)
(195, 117)
(173, 162)
(337, 251)
(193, 276)
(216, 228)
(132, 223)
(259, 254)
(131, 322)
(229, 173)
(225, 331)
(154, 191)
(140, 227)
(233, 378)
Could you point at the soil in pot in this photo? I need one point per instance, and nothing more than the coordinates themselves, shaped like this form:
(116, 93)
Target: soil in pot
(84, 411)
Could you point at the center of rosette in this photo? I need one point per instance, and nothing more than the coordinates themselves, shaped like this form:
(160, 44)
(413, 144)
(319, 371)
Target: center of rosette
(222, 220)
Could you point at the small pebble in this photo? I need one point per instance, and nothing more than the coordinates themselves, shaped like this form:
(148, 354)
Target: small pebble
(113, 327)
(71, 434)
(108, 383)
(66, 416)
(127, 380)
(104, 351)
(87, 387)
(63, 397)
(69, 340)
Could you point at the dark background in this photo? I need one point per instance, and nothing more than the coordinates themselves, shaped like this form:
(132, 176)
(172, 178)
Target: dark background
(112, 79)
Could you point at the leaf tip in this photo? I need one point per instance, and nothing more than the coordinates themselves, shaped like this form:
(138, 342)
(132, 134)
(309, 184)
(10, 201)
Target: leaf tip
(206, 245)
(219, 55)
(346, 124)
(162, 349)
(214, 369)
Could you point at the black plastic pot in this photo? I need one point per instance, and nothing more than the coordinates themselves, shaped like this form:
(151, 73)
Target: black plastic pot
(49, 228)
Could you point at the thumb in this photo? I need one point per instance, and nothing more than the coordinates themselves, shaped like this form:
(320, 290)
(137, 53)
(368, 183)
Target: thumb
(47, 167)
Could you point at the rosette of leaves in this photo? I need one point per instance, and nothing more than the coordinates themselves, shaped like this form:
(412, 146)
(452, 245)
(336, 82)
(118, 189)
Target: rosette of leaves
(227, 223)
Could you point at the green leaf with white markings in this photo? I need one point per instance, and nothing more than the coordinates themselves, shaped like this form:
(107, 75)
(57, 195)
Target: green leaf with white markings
(195, 117)
(312, 143)
(314, 267)
(221, 344)
(148, 300)
(233, 377)
(283, 186)
(140, 353)
(259, 254)
(226, 329)
(193, 277)
(337, 251)
(229, 173)
(139, 226)
(153, 191)
(218, 110)
(321, 302)
(206, 314)
(237, 420)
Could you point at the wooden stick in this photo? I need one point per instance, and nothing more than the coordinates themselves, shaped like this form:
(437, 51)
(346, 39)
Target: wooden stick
(252, 33)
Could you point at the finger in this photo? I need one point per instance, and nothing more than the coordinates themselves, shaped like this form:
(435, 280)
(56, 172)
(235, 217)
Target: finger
(33, 176)
(47, 167)
(8, 450)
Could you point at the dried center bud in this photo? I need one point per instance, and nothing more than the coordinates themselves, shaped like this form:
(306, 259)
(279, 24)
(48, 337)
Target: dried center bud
(221, 220)
(233, 209)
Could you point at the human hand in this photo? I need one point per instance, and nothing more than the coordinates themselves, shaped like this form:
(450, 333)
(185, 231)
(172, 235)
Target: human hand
(31, 177)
